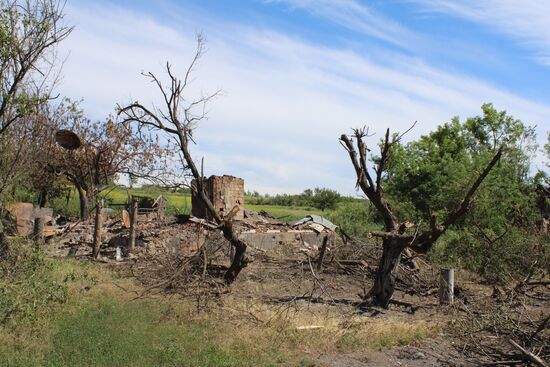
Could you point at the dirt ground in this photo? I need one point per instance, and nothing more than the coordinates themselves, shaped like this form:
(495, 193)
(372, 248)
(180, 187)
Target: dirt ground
(475, 331)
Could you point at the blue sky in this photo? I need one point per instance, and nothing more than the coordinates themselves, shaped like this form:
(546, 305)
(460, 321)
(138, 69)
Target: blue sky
(296, 74)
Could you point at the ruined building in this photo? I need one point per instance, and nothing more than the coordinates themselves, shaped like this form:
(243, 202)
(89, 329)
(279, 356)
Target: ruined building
(224, 192)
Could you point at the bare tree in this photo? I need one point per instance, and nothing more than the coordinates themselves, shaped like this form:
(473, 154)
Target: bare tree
(177, 121)
(397, 236)
(29, 30)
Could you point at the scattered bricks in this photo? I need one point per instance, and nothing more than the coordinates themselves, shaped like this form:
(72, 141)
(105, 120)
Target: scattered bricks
(24, 216)
(224, 192)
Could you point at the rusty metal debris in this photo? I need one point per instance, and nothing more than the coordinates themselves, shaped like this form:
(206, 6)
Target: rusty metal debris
(67, 139)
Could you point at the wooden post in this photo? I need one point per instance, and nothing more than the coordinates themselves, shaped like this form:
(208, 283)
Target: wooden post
(118, 254)
(133, 223)
(38, 231)
(446, 286)
(98, 227)
(3, 241)
(161, 206)
(322, 252)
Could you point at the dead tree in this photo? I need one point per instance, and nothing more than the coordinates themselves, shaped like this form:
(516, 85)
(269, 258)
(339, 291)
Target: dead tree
(396, 237)
(178, 120)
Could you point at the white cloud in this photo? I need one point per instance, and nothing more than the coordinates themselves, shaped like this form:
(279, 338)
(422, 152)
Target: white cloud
(528, 21)
(286, 101)
(355, 16)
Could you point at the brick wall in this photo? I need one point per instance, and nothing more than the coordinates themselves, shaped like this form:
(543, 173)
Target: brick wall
(225, 192)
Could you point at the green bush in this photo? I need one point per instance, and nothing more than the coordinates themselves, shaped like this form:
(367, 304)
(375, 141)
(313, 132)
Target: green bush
(28, 286)
(356, 218)
(507, 258)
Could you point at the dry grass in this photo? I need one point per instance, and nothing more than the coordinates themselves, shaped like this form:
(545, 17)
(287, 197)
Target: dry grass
(100, 323)
(314, 330)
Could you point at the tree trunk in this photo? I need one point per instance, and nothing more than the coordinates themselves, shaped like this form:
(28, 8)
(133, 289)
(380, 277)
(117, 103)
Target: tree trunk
(322, 253)
(38, 228)
(239, 260)
(43, 199)
(384, 285)
(3, 239)
(84, 203)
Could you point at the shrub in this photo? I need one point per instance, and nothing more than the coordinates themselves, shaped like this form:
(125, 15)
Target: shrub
(27, 284)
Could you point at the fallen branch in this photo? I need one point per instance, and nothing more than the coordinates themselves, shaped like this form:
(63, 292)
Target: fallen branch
(528, 355)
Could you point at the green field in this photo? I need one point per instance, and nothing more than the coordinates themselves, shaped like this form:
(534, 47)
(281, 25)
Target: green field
(178, 203)
(354, 216)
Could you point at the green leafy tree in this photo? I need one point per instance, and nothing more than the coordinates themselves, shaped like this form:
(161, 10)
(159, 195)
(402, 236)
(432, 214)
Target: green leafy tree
(426, 177)
(324, 198)
(28, 30)
(29, 33)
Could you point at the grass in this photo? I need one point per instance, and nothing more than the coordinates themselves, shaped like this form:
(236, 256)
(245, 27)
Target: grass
(335, 332)
(95, 323)
(111, 333)
(178, 203)
(62, 312)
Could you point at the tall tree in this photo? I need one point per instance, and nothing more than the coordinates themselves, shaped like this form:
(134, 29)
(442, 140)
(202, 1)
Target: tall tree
(427, 176)
(177, 121)
(397, 235)
(29, 32)
(108, 149)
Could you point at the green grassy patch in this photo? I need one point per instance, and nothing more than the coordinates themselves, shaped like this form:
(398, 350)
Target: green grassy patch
(111, 333)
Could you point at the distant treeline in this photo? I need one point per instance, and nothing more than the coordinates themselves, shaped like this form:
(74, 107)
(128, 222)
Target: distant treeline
(156, 190)
(320, 198)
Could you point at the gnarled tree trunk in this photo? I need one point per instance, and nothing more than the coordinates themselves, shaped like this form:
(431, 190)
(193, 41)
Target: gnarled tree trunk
(384, 284)
(239, 260)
